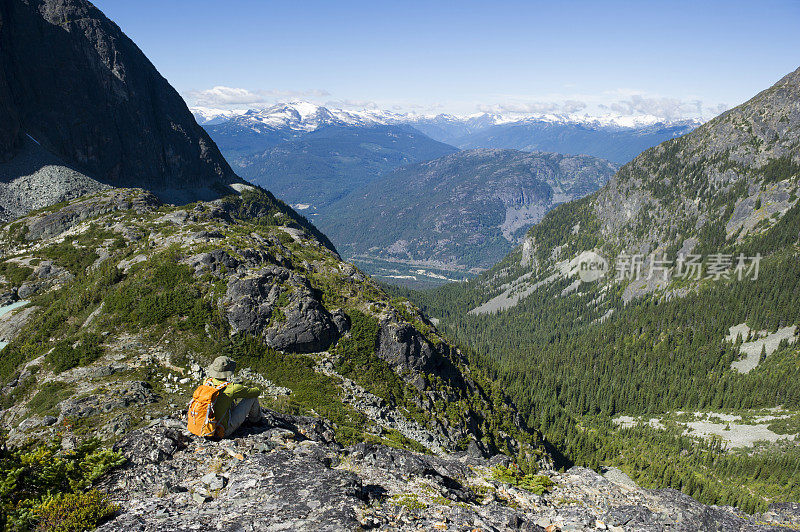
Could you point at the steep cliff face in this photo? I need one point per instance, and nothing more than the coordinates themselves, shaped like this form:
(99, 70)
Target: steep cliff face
(82, 90)
(9, 123)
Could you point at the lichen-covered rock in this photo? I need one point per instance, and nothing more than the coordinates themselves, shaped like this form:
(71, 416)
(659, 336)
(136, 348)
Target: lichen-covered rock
(301, 324)
(270, 477)
(48, 224)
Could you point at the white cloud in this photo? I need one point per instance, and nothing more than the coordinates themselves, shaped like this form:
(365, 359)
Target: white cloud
(669, 108)
(236, 97)
(351, 104)
(221, 96)
(663, 107)
(520, 107)
(291, 94)
(534, 107)
(573, 106)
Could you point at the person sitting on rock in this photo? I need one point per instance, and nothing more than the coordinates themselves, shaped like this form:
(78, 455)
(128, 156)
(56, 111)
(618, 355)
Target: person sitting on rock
(225, 415)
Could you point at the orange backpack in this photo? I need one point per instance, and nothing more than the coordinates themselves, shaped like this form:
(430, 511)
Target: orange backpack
(202, 419)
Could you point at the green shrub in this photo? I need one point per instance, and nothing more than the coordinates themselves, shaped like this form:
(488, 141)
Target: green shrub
(537, 484)
(312, 393)
(14, 273)
(17, 232)
(357, 359)
(780, 169)
(42, 487)
(48, 396)
(67, 512)
(68, 256)
(393, 438)
(284, 237)
(18, 392)
(64, 356)
(152, 296)
(61, 314)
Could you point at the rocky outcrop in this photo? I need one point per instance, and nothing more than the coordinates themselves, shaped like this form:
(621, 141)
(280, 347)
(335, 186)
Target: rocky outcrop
(72, 82)
(406, 349)
(49, 224)
(275, 476)
(403, 346)
(299, 323)
(298, 490)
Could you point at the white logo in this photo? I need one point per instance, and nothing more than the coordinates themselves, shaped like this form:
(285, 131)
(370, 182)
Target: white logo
(591, 266)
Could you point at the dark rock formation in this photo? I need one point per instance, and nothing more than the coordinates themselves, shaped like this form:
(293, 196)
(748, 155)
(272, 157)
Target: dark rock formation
(308, 327)
(300, 323)
(401, 345)
(71, 80)
(406, 349)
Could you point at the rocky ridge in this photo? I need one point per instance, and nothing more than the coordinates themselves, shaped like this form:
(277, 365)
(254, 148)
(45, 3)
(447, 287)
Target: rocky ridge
(287, 473)
(154, 292)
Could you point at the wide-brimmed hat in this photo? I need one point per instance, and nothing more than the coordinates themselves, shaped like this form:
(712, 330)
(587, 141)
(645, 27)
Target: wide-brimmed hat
(222, 368)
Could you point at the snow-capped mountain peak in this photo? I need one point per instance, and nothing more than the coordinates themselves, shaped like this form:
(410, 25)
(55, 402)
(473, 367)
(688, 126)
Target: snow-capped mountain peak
(207, 116)
(298, 116)
(303, 116)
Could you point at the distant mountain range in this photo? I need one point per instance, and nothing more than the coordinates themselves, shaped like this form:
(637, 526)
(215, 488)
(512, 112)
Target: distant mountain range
(312, 156)
(364, 179)
(608, 139)
(298, 116)
(616, 138)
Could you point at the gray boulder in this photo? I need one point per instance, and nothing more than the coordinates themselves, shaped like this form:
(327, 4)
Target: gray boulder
(253, 302)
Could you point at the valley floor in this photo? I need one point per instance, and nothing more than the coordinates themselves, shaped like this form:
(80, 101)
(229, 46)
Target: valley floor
(737, 431)
(411, 274)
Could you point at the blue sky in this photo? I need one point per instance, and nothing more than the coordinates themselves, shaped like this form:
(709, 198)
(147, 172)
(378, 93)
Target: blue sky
(671, 58)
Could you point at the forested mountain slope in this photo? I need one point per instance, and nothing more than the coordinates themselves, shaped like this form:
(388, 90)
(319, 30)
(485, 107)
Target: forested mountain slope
(318, 158)
(462, 212)
(574, 353)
